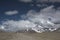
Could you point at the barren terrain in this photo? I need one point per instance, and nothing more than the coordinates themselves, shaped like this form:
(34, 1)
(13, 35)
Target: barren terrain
(30, 36)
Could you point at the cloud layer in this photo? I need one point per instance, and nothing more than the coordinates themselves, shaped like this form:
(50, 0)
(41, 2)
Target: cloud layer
(26, 1)
(14, 26)
(37, 21)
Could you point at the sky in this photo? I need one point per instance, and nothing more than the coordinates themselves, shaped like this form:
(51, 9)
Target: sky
(20, 6)
(24, 14)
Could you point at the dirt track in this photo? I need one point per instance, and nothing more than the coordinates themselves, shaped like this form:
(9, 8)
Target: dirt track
(30, 36)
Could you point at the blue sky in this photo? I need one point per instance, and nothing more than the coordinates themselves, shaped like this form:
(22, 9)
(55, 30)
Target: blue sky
(21, 7)
(13, 5)
(18, 12)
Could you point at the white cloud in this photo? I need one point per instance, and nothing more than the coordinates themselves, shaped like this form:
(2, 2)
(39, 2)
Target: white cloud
(25, 1)
(38, 21)
(48, 9)
(11, 12)
(46, 17)
(44, 13)
(14, 26)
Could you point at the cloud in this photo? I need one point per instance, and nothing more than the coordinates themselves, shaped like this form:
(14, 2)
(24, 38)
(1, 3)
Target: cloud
(48, 0)
(25, 1)
(42, 0)
(45, 18)
(43, 5)
(37, 21)
(46, 13)
(11, 12)
(54, 0)
(14, 26)
(49, 11)
(38, 5)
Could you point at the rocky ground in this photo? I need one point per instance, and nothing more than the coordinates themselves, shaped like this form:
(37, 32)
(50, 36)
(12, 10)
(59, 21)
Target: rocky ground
(30, 36)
